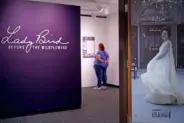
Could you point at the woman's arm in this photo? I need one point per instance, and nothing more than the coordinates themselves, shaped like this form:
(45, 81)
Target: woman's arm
(107, 61)
(98, 57)
(107, 58)
(164, 51)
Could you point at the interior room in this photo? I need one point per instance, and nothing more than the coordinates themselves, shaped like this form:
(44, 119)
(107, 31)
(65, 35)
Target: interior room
(98, 24)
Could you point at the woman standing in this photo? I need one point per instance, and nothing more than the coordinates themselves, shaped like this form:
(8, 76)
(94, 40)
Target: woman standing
(100, 65)
(160, 77)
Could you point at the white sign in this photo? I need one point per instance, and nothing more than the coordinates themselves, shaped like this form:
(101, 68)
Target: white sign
(88, 47)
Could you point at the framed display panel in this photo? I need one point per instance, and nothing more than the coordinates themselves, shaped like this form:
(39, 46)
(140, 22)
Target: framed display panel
(88, 47)
(157, 90)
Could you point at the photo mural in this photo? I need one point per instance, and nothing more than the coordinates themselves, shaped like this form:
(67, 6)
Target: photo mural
(157, 61)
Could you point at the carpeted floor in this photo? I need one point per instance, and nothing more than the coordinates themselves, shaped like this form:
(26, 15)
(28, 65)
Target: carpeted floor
(98, 107)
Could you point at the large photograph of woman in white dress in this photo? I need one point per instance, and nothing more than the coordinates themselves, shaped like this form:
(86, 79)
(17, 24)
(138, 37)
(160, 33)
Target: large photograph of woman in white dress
(157, 30)
(160, 78)
(159, 86)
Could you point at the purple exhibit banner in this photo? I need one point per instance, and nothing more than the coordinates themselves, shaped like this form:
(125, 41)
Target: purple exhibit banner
(40, 60)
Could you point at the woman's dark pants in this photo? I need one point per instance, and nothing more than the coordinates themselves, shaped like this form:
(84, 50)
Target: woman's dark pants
(101, 75)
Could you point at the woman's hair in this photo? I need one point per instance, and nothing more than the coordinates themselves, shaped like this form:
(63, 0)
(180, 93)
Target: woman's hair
(101, 46)
(167, 30)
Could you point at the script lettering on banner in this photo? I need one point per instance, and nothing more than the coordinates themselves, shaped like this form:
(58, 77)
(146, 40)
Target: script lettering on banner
(41, 42)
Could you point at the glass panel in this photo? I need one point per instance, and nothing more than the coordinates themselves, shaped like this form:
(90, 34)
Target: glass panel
(157, 61)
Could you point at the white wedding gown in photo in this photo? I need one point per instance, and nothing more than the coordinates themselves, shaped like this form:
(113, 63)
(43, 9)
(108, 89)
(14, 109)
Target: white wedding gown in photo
(160, 78)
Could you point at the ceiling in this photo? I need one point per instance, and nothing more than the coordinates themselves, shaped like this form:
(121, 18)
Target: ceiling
(92, 7)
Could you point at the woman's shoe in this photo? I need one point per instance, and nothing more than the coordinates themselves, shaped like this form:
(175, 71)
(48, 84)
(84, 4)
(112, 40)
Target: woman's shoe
(97, 88)
(104, 87)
